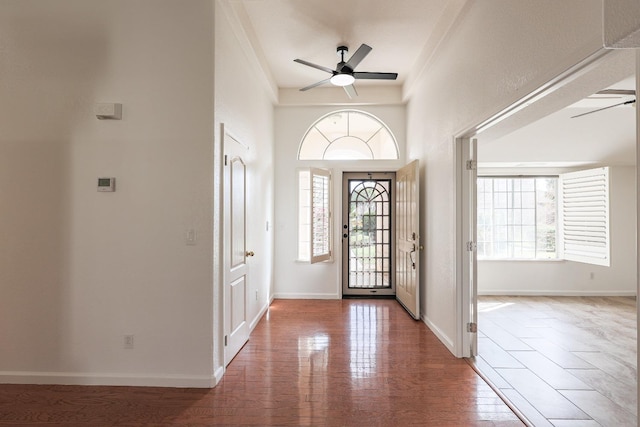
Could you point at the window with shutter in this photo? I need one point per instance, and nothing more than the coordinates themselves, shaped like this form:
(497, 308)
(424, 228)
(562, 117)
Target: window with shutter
(584, 213)
(314, 215)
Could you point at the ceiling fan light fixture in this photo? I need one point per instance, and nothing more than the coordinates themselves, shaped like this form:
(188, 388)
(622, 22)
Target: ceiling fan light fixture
(342, 79)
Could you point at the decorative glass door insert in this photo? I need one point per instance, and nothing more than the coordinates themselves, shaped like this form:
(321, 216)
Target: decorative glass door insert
(368, 234)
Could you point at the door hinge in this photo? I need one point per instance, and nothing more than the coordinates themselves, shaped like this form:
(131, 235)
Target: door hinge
(225, 340)
(225, 159)
(471, 246)
(472, 165)
(472, 327)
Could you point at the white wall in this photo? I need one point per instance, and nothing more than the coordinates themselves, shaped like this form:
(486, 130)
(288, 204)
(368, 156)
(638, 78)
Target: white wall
(244, 105)
(498, 52)
(574, 278)
(323, 280)
(80, 269)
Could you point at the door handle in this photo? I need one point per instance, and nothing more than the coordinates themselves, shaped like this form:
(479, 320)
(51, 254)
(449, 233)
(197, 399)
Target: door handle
(249, 253)
(413, 261)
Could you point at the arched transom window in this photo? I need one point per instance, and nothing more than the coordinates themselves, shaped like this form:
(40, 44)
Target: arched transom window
(348, 135)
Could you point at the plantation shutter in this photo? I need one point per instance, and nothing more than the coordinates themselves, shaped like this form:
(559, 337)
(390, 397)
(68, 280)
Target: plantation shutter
(584, 214)
(320, 215)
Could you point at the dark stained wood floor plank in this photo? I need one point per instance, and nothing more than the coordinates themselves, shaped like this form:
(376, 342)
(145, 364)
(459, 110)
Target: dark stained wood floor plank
(307, 363)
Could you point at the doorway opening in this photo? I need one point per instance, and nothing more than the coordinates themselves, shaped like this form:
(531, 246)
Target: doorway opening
(368, 234)
(555, 325)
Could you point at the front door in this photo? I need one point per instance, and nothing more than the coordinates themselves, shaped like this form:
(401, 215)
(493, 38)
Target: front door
(407, 238)
(236, 269)
(367, 234)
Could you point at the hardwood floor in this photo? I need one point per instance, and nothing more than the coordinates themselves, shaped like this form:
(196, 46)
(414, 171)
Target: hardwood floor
(307, 363)
(562, 361)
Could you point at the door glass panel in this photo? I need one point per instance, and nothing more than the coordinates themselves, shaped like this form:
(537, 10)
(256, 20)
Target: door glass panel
(369, 224)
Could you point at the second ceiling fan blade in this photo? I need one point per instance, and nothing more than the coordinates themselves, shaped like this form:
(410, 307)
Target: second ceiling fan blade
(351, 91)
(321, 82)
(311, 64)
(357, 57)
(605, 108)
(375, 76)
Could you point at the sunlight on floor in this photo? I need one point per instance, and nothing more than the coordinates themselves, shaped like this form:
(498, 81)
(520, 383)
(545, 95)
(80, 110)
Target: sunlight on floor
(484, 307)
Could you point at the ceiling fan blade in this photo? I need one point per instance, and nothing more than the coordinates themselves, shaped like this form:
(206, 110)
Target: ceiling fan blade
(617, 92)
(351, 91)
(315, 84)
(357, 57)
(605, 108)
(376, 76)
(311, 64)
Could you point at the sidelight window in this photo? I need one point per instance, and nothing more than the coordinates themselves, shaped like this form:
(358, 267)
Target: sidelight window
(314, 215)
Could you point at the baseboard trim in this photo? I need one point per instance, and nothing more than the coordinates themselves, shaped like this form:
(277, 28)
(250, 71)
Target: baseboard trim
(218, 375)
(75, 378)
(261, 313)
(306, 296)
(556, 293)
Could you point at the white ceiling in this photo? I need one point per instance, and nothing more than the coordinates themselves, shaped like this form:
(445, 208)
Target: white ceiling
(403, 35)
(398, 32)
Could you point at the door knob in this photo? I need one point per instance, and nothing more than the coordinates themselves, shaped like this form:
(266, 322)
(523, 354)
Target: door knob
(249, 253)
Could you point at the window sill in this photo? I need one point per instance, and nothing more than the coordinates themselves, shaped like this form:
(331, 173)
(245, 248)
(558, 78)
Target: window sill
(519, 260)
(302, 261)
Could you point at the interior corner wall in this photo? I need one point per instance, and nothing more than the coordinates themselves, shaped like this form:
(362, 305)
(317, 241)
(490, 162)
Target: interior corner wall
(80, 269)
(498, 52)
(559, 277)
(243, 105)
(323, 280)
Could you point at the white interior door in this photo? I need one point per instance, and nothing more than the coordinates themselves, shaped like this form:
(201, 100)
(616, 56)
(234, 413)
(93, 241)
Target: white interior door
(236, 269)
(407, 238)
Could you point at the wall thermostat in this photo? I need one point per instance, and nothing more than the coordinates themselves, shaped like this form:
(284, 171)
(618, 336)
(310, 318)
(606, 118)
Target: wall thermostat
(106, 184)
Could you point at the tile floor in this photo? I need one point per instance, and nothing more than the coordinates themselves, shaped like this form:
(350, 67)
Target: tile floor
(562, 361)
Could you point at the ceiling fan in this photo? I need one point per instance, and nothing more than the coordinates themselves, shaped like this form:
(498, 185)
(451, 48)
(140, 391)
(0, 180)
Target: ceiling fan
(345, 75)
(620, 92)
